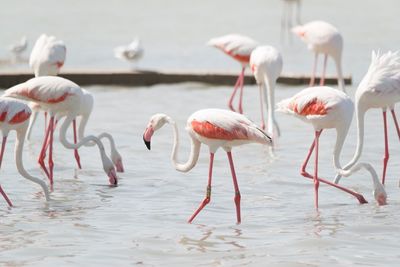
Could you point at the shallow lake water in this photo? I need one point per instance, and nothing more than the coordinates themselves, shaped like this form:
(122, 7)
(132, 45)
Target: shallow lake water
(142, 222)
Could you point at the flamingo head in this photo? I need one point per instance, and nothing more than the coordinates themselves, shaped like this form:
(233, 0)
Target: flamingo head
(380, 194)
(117, 160)
(109, 169)
(156, 122)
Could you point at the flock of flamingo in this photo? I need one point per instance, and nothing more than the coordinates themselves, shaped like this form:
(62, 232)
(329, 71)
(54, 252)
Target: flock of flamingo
(321, 106)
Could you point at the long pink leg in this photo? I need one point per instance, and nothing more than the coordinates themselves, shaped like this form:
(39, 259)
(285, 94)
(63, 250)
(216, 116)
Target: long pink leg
(236, 186)
(207, 199)
(322, 81)
(78, 159)
(314, 70)
(305, 174)
(43, 152)
(3, 146)
(262, 108)
(241, 91)
(51, 163)
(237, 84)
(45, 121)
(386, 155)
(316, 182)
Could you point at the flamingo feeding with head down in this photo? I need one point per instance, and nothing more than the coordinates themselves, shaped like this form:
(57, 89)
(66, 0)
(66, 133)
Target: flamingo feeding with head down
(380, 88)
(322, 37)
(14, 116)
(238, 47)
(328, 108)
(266, 65)
(60, 97)
(215, 128)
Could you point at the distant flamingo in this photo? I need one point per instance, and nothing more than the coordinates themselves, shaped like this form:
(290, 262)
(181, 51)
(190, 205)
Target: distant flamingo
(290, 17)
(14, 116)
(322, 37)
(266, 64)
(239, 47)
(47, 56)
(60, 97)
(380, 88)
(215, 128)
(327, 108)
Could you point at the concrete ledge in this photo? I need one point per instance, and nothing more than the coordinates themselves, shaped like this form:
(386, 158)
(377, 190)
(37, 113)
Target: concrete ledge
(147, 77)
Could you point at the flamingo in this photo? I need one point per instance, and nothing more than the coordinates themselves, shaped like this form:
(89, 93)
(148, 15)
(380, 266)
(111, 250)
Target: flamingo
(238, 47)
(131, 53)
(380, 88)
(266, 65)
(290, 16)
(84, 111)
(18, 48)
(322, 37)
(328, 108)
(14, 116)
(215, 128)
(60, 97)
(47, 56)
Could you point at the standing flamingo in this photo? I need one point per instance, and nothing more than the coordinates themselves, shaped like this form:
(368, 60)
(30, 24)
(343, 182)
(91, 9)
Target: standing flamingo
(17, 49)
(47, 56)
(380, 88)
(328, 108)
(239, 47)
(266, 64)
(290, 16)
(131, 53)
(322, 37)
(215, 128)
(60, 97)
(14, 116)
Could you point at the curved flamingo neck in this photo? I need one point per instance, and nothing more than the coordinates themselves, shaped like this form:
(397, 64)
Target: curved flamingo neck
(269, 98)
(19, 144)
(194, 150)
(338, 63)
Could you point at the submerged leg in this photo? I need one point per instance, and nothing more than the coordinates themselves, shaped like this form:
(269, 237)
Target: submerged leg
(207, 199)
(236, 186)
(78, 159)
(316, 182)
(386, 155)
(43, 152)
(322, 80)
(314, 70)
(305, 174)
(241, 92)
(3, 146)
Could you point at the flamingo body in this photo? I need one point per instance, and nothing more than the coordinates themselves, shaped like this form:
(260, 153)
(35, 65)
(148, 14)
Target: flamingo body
(132, 52)
(215, 128)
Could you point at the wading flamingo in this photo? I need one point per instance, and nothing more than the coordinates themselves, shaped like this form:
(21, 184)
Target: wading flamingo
(239, 47)
(215, 128)
(60, 97)
(266, 65)
(380, 88)
(14, 116)
(328, 108)
(131, 53)
(322, 37)
(290, 16)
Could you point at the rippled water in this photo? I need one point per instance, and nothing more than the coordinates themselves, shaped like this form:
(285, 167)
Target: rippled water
(143, 221)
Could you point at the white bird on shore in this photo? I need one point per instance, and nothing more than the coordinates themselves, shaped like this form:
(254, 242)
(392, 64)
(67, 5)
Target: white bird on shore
(131, 53)
(18, 48)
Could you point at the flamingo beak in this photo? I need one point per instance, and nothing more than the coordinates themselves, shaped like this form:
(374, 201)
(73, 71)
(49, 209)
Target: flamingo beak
(148, 133)
(112, 176)
(381, 199)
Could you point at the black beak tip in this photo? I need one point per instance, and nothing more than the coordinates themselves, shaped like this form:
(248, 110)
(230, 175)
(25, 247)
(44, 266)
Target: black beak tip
(147, 143)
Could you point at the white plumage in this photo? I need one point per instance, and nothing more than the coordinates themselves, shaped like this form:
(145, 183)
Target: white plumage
(132, 52)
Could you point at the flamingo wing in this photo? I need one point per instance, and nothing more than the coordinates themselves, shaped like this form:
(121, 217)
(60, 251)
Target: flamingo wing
(13, 112)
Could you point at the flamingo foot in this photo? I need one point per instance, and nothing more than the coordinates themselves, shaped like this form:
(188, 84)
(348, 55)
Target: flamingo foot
(43, 166)
(237, 203)
(119, 166)
(202, 205)
(112, 176)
